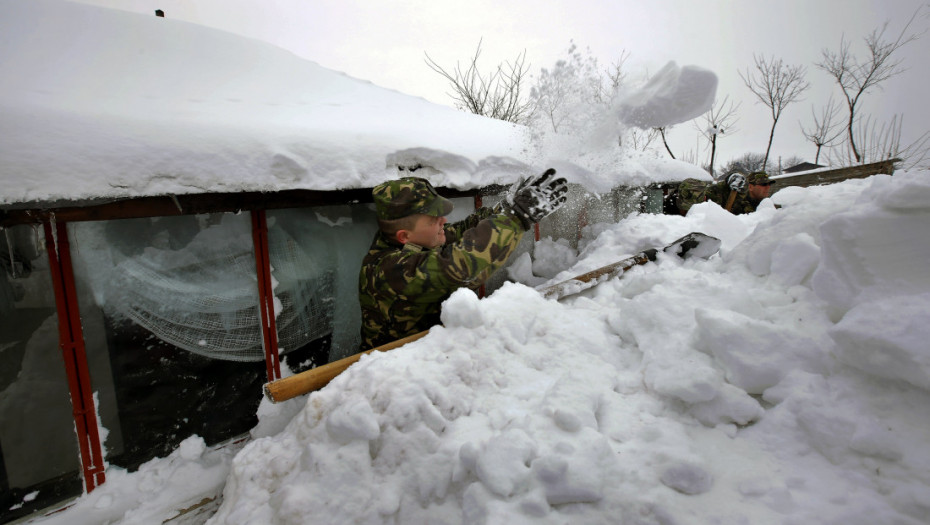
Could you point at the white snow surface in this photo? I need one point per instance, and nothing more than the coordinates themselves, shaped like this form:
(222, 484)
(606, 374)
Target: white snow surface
(785, 380)
(99, 103)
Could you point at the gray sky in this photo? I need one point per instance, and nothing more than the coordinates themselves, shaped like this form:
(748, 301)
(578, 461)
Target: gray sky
(385, 41)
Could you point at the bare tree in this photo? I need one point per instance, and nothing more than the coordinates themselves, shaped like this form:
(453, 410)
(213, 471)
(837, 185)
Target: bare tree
(575, 92)
(826, 129)
(882, 141)
(856, 77)
(497, 95)
(719, 120)
(790, 162)
(615, 74)
(746, 164)
(662, 131)
(776, 85)
(640, 140)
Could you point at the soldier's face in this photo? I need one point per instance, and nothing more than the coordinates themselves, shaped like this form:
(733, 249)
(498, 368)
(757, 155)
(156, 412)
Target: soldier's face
(758, 191)
(428, 232)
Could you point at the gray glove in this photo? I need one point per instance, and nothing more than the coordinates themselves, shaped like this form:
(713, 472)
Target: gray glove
(737, 182)
(537, 197)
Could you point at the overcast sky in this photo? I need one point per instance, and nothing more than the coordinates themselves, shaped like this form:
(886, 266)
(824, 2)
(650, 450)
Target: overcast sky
(385, 42)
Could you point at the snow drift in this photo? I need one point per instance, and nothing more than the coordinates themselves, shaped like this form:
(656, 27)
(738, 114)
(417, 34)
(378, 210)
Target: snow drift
(743, 389)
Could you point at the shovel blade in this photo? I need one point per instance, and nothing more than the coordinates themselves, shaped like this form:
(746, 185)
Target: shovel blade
(695, 244)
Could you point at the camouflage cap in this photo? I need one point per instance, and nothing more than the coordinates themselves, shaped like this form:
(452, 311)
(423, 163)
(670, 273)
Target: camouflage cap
(399, 198)
(758, 177)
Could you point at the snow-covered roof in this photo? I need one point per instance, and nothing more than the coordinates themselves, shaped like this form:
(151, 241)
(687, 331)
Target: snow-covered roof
(98, 104)
(103, 103)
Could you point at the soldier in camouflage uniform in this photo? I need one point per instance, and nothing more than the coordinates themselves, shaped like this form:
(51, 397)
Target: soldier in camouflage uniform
(417, 260)
(750, 191)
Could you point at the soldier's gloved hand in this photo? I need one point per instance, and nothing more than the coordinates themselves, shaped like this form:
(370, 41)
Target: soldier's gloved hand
(537, 197)
(737, 182)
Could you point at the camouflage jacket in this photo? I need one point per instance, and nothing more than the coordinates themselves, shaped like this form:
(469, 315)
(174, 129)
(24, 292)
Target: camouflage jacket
(402, 286)
(693, 191)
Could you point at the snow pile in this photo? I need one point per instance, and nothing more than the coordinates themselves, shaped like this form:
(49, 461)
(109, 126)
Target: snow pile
(740, 389)
(685, 392)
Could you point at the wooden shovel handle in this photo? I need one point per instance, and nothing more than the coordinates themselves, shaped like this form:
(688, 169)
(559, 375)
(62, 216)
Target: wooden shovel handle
(316, 378)
(576, 284)
(730, 200)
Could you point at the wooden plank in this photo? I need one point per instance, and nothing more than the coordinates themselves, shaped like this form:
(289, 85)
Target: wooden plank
(821, 176)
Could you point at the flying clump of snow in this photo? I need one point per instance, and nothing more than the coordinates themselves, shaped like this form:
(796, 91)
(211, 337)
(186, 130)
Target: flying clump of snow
(739, 389)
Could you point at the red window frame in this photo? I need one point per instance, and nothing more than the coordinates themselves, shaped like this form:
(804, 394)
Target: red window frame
(71, 342)
(74, 352)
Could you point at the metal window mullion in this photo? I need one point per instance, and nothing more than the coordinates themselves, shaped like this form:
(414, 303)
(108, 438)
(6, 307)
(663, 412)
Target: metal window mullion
(265, 294)
(71, 342)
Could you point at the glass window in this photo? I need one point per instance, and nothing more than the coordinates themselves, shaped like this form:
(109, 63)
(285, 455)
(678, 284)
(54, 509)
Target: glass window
(39, 458)
(316, 254)
(170, 317)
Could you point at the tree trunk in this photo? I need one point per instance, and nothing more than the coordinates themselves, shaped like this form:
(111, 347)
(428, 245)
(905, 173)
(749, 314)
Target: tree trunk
(668, 149)
(852, 140)
(765, 161)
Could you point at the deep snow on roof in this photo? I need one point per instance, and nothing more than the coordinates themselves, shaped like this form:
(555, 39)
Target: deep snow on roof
(98, 102)
(103, 103)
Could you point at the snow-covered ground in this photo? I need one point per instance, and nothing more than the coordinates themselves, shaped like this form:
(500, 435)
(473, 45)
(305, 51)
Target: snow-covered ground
(786, 380)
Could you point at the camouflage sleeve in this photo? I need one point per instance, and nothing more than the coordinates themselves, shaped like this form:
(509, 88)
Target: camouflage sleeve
(690, 192)
(719, 193)
(469, 261)
(455, 230)
(743, 204)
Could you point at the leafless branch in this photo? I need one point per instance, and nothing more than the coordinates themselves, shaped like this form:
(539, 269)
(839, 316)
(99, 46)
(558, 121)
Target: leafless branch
(718, 121)
(775, 85)
(826, 129)
(856, 77)
(496, 95)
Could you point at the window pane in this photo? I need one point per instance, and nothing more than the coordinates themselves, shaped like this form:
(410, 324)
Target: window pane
(38, 447)
(170, 317)
(315, 256)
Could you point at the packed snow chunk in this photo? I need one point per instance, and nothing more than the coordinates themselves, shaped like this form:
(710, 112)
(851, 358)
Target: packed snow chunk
(192, 448)
(576, 474)
(874, 248)
(794, 259)
(571, 403)
(687, 478)
(908, 190)
(754, 354)
(672, 96)
(553, 256)
(462, 309)
(888, 337)
(520, 270)
(729, 228)
(353, 419)
(872, 438)
(503, 463)
(731, 405)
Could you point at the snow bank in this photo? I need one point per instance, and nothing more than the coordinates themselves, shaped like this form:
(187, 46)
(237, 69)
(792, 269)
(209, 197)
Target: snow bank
(685, 392)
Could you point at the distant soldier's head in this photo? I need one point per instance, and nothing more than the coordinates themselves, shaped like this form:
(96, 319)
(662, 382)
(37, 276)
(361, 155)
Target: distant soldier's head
(410, 210)
(759, 185)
